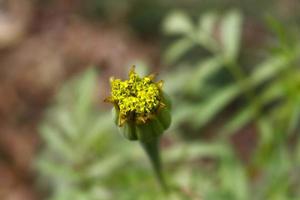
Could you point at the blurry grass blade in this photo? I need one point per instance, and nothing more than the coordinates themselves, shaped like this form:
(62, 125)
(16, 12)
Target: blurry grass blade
(231, 28)
(177, 22)
(177, 50)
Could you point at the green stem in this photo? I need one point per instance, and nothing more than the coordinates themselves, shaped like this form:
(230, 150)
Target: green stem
(152, 150)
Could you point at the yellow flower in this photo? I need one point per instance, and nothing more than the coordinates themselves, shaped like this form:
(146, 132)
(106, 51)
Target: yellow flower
(142, 112)
(141, 108)
(137, 99)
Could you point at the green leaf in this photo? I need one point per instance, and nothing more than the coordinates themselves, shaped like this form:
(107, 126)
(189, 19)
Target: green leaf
(105, 166)
(59, 172)
(57, 143)
(202, 72)
(233, 178)
(205, 31)
(266, 131)
(295, 119)
(207, 23)
(279, 29)
(196, 150)
(268, 69)
(177, 22)
(298, 151)
(177, 50)
(85, 92)
(242, 118)
(175, 81)
(247, 113)
(97, 132)
(213, 105)
(63, 120)
(231, 28)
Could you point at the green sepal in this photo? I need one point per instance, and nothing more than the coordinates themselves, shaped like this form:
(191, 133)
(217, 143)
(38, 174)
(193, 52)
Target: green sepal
(164, 117)
(115, 115)
(149, 131)
(167, 100)
(127, 130)
(152, 129)
(164, 113)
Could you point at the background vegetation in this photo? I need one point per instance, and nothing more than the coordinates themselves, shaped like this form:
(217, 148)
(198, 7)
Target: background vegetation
(230, 67)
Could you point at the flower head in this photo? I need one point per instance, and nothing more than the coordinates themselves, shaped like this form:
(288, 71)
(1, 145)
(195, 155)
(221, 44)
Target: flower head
(137, 99)
(141, 108)
(142, 112)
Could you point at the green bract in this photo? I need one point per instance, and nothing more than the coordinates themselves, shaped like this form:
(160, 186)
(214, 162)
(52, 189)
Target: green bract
(141, 108)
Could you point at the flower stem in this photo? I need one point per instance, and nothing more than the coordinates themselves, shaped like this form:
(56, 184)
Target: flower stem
(152, 150)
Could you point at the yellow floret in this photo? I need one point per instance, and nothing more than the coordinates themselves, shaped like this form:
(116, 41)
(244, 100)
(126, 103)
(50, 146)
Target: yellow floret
(137, 96)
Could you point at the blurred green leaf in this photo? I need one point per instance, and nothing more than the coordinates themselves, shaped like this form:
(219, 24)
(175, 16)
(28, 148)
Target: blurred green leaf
(59, 172)
(85, 92)
(242, 118)
(202, 72)
(233, 179)
(247, 113)
(196, 150)
(64, 122)
(295, 119)
(177, 50)
(231, 29)
(105, 167)
(177, 79)
(177, 22)
(57, 143)
(206, 27)
(268, 69)
(208, 109)
(207, 23)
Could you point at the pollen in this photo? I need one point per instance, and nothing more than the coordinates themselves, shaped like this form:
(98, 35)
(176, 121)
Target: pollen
(138, 97)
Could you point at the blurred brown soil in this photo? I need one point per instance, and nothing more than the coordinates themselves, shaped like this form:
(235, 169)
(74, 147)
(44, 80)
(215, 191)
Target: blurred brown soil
(48, 45)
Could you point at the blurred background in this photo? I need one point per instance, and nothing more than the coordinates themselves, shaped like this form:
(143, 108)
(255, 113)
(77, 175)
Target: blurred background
(231, 68)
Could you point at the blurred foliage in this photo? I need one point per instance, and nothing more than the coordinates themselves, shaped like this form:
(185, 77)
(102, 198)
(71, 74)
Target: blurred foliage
(271, 88)
(85, 158)
(145, 16)
(268, 93)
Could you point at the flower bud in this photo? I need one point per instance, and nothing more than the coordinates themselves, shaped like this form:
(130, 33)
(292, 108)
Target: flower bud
(141, 109)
